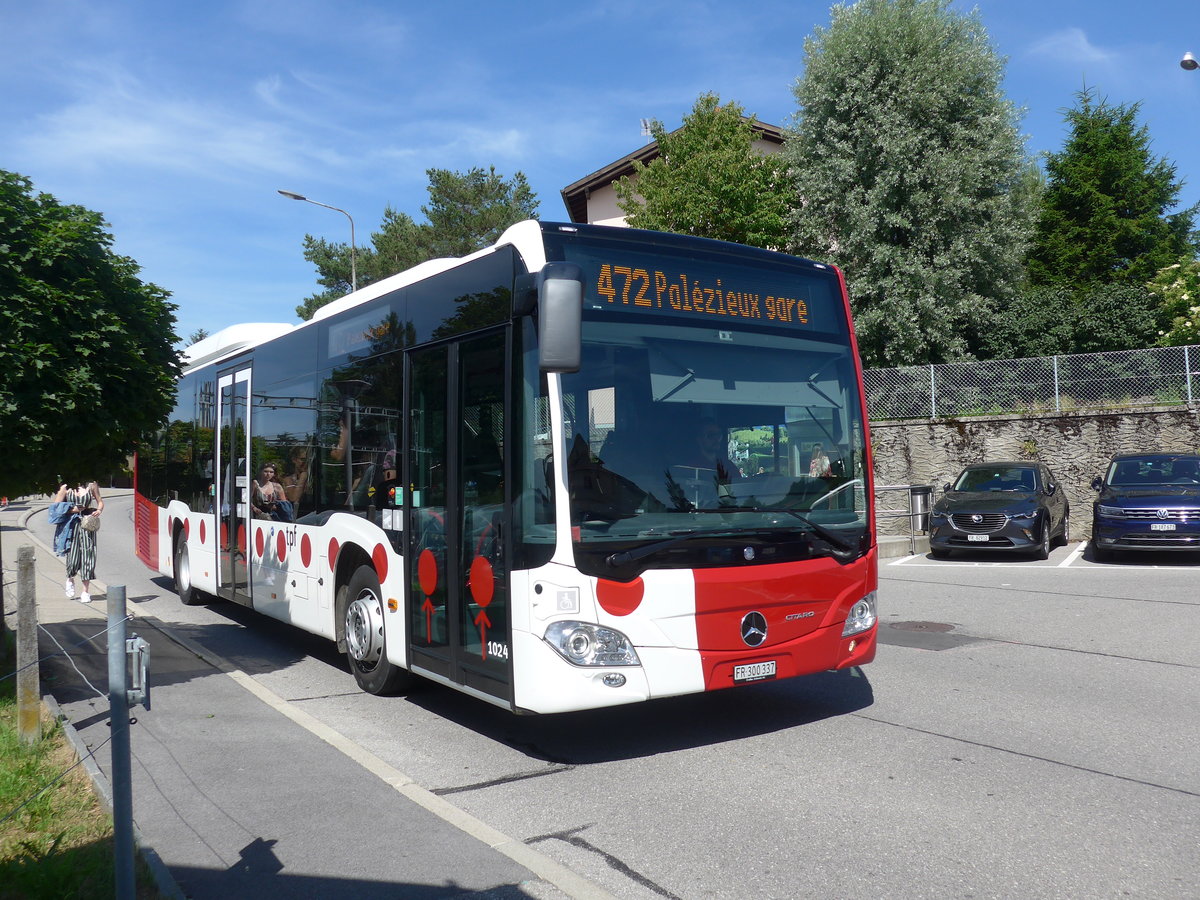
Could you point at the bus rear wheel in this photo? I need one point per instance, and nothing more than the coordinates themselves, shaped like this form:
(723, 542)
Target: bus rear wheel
(366, 647)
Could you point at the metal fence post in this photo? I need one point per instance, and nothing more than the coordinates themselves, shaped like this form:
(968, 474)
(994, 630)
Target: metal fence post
(29, 698)
(932, 394)
(1057, 395)
(122, 779)
(1187, 368)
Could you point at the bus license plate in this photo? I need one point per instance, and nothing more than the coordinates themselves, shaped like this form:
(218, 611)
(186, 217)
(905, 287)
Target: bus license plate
(754, 671)
(982, 538)
(1162, 526)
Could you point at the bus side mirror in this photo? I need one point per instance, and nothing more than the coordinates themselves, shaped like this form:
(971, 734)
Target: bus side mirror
(560, 317)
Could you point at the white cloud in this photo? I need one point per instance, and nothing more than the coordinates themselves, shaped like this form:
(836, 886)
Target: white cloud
(119, 122)
(1071, 46)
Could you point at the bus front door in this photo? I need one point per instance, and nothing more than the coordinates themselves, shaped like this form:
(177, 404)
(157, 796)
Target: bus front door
(458, 575)
(232, 488)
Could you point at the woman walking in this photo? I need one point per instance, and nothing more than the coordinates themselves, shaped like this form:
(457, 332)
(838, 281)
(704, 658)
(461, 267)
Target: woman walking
(86, 503)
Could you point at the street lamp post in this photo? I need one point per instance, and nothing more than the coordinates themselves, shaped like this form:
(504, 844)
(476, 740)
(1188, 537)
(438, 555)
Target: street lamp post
(353, 248)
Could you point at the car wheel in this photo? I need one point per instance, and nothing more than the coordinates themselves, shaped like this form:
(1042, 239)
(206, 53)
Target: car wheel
(1042, 550)
(1066, 529)
(182, 567)
(1100, 555)
(366, 647)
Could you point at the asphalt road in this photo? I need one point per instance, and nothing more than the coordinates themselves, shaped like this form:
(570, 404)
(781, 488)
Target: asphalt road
(1027, 730)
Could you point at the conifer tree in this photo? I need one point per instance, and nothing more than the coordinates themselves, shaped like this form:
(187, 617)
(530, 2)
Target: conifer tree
(1104, 216)
(467, 211)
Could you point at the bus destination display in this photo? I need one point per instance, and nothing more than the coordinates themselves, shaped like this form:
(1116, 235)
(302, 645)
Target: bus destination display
(708, 295)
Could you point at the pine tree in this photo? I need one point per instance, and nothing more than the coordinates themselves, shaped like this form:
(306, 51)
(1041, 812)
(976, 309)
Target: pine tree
(467, 211)
(1104, 214)
(910, 174)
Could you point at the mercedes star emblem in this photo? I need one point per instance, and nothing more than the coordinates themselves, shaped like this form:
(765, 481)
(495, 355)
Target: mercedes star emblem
(754, 629)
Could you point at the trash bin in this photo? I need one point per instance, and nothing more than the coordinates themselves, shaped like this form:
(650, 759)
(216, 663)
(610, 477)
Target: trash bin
(920, 498)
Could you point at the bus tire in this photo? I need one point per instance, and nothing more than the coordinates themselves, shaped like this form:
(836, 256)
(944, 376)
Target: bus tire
(182, 570)
(366, 649)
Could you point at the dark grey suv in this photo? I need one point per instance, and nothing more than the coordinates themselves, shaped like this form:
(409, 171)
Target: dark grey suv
(1147, 501)
(1001, 506)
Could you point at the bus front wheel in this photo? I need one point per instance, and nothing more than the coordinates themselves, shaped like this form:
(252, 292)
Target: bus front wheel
(188, 595)
(366, 648)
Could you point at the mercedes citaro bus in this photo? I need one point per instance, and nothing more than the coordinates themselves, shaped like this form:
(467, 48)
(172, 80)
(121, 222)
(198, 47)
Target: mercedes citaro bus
(571, 470)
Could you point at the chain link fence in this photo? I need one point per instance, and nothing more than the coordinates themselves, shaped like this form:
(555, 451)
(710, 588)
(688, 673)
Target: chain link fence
(1158, 376)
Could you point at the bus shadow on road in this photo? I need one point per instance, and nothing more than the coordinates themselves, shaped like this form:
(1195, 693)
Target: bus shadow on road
(658, 726)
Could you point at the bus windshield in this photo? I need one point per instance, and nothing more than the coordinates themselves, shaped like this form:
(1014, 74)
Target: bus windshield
(718, 399)
(675, 428)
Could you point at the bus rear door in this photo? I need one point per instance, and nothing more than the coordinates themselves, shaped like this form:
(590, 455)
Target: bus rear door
(232, 487)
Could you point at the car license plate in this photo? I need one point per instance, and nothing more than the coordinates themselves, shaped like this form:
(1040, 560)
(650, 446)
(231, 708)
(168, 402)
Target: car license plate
(982, 538)
(1162, 526)
(754, 671)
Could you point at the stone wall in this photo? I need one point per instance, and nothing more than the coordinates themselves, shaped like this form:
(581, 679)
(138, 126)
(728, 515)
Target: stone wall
(1076, 446)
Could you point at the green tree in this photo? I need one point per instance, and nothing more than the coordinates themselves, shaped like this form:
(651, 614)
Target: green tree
(467, 211)
(1111, 317)
(87, 364)
(1104, 218)
(910, 174)
(197, 336)
(709, 181)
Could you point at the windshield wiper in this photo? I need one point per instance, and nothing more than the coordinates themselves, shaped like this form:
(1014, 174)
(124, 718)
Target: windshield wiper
(830, 537)
(837, 546)
(624, 557)
(841, 548)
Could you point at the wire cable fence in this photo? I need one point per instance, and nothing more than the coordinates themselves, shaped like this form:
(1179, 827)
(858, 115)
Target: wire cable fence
(1124, 379)
(63, 651)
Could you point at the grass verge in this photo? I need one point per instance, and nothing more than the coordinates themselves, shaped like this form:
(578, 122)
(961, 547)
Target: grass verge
(56, 839)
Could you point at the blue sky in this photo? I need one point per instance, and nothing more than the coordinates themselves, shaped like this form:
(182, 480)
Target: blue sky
(180, 121)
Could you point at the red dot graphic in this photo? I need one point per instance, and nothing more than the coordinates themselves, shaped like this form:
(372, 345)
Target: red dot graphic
(619, 599)
(483, 581)
(427, 572)
(380, 558)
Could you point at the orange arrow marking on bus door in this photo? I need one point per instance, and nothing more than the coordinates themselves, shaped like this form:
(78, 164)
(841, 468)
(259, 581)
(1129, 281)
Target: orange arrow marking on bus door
(428, 607)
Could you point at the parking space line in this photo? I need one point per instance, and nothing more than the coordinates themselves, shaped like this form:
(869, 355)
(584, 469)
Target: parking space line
(1075, 554)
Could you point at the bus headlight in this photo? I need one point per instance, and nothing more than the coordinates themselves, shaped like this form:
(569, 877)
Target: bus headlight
(862, 616)
(591, 645)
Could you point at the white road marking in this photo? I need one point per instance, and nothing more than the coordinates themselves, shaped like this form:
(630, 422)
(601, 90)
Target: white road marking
(1074, 555)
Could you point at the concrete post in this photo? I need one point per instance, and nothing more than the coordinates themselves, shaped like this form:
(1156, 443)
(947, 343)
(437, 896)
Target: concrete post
(29, 695)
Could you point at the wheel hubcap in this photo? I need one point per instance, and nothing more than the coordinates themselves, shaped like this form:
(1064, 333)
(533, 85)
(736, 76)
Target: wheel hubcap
(183, 570)
(364, 629)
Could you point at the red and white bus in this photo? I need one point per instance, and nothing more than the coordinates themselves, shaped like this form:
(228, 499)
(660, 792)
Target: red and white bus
(584, 467)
